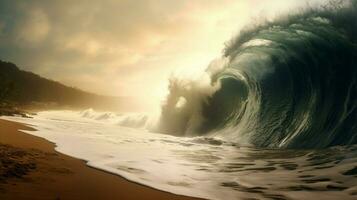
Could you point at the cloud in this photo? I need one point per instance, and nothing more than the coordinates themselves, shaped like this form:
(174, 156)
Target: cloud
(119, 47)
(33, 28)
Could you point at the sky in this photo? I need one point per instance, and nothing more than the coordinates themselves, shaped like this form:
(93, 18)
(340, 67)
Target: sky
(124, 47)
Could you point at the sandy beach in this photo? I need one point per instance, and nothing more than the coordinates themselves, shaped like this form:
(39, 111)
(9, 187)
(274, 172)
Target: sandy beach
(30, 168)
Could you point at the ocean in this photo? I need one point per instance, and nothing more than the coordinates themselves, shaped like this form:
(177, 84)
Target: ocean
(205, 167)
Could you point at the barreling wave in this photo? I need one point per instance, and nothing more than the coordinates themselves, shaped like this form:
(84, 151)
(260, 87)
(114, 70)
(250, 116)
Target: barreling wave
(290, 83)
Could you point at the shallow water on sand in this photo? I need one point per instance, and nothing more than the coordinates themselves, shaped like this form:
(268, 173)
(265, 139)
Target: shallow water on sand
(201, 167)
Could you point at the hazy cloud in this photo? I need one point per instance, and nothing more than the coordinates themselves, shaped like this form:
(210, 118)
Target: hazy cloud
(111, 46)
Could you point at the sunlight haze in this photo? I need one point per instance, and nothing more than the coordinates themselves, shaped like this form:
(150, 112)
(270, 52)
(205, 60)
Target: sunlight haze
(110, 47)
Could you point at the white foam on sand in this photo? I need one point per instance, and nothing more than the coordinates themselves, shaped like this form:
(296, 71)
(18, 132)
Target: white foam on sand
(199, 167)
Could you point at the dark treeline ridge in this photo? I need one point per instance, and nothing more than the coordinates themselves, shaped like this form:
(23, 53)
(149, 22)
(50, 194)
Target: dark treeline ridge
(28, 90)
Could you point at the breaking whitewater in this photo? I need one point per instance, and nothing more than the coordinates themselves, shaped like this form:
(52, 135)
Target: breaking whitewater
(274, 118)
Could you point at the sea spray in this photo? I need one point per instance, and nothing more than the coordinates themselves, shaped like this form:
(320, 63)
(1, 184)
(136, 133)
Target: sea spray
(181, 112)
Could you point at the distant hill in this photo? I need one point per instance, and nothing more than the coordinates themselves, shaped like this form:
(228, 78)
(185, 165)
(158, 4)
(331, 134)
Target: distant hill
(26, 89)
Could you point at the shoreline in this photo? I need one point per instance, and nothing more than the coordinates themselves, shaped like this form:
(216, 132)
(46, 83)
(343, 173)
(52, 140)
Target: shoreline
(32, 169)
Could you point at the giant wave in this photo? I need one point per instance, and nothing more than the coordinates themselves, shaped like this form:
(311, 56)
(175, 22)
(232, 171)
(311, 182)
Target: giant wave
(289, 83)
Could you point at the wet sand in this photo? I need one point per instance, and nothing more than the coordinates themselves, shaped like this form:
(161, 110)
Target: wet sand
(30, 168)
